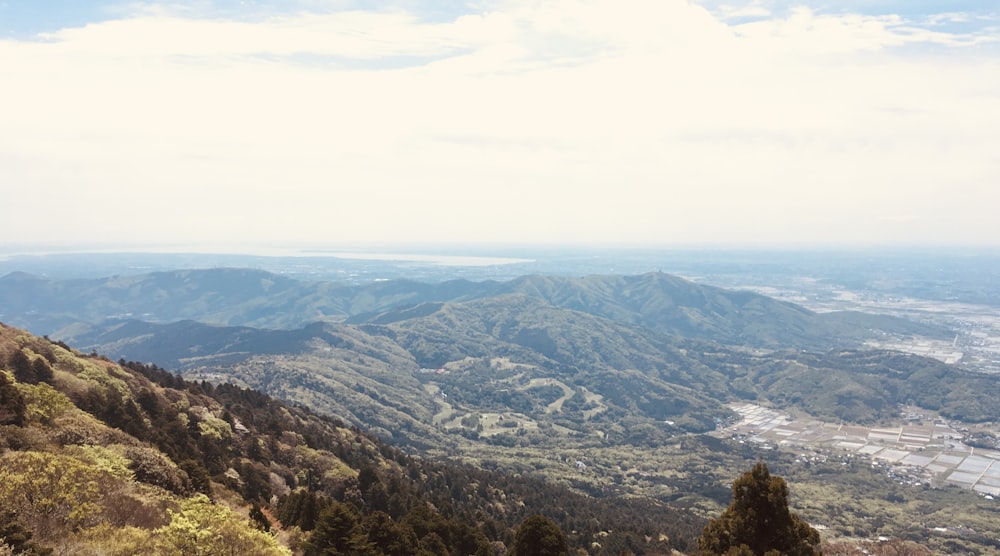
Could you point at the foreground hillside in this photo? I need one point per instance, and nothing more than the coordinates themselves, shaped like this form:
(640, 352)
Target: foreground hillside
(100, 458)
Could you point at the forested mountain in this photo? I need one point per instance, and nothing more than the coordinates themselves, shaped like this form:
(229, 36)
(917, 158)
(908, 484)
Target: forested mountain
(239, 297)
(426, 373)
(602, 385)
(105, 458)
(669, 304)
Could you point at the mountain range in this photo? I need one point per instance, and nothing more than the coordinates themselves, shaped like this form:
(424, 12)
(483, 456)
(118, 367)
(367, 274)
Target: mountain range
(537, 376)
(569, 356)
(241, 297)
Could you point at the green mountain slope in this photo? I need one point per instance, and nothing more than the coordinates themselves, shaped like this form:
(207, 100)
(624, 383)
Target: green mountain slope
(669, 304)
(522, 405)
(100, 458)
(659, 302)
(427, 374)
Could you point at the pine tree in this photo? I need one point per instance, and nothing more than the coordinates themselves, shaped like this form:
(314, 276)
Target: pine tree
(18, 539)
(337, 532)
(539, 536)
(387, 536)
(259, 520)
(758, 521)
(12, 406)
(23, 371)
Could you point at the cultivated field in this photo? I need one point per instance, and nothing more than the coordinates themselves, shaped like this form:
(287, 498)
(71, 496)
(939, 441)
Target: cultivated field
(922, 448)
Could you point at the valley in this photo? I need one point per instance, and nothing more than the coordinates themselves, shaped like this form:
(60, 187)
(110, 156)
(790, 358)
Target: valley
(645, 387)
(918, 449)
(975, 344)
(975, 326)
(486, 424)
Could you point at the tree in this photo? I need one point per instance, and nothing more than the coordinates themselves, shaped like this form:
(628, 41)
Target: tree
(387, 536)
(201, 528)
(259, 520)
(301, 508)
(432, 545)
(198, 475)
(758, 521)
(539, 536)
(337, 532)
(42, 370)
(51, 492)
(23, 371)
(12, 406)
(16, 538)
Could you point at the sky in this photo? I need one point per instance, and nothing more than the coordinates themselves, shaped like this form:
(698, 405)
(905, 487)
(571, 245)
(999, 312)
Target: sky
(586, 122)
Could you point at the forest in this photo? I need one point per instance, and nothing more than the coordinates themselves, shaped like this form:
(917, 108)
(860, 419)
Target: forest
(118, 458)
(100, 457)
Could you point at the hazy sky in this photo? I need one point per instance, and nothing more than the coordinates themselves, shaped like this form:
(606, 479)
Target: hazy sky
(542, 121)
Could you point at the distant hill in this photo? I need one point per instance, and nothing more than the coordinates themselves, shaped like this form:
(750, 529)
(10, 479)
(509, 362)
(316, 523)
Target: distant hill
(237, 297)
(516, 384)
(374, 375)
(669, 304)
(426, 373)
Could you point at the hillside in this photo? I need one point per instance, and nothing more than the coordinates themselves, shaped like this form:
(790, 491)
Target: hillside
(100, 458)
(436, 373)
(105, 458)
(663, 303)
(593, 392)
(612, 476)
(69, 309)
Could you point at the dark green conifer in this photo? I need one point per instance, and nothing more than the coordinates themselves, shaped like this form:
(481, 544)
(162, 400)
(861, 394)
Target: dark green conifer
(42, 370)
(337, 532)
(432, 545)
(201, 481)
(259, 519)
(758, 521)
(23, 370)
(12, 406)
(16, 537)
(539, 536)
(388, 537)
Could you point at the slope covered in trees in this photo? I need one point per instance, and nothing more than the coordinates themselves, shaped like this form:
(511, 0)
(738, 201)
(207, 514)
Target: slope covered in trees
(99, 457)
(556, 366)
(105, 458)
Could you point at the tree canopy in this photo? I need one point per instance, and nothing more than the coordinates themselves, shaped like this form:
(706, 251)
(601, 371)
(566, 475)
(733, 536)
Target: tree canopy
(758, 521)
(539, 536)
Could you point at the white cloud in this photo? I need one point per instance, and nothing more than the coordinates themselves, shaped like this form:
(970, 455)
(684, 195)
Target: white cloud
(558, 121)
(753, 10)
